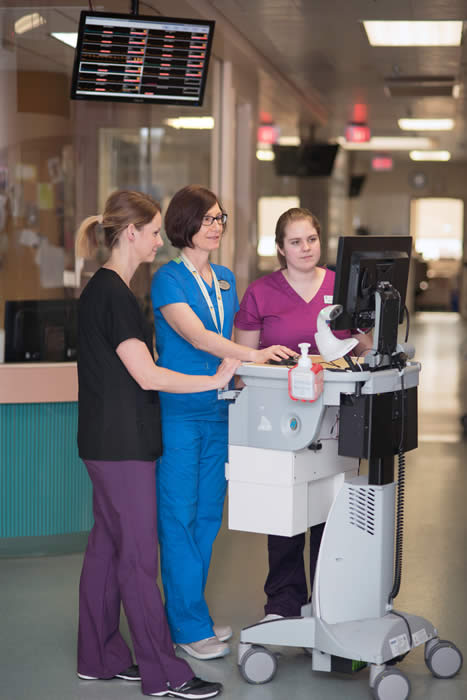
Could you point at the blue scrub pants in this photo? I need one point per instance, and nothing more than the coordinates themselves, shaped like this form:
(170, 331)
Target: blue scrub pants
(191, 489)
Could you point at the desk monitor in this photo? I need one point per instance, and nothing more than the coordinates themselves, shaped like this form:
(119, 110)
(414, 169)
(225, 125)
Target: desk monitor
(371, 285)
(141, 58)
(363, 262)
(41, 331)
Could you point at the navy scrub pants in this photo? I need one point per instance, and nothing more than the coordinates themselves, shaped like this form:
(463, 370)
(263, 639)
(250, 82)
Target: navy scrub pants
(286, 586)
(120, 564)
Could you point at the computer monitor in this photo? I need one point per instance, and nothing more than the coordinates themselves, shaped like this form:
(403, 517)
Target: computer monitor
(41, 331)
(141, 58)
(371, 285)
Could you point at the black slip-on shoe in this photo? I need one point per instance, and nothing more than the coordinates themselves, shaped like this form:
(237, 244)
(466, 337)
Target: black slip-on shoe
(196, 689)
(129, 674)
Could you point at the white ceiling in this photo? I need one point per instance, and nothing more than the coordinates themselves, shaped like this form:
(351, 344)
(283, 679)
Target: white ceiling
(322, 47)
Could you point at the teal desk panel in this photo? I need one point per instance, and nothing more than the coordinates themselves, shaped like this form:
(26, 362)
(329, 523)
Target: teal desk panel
(44, 486)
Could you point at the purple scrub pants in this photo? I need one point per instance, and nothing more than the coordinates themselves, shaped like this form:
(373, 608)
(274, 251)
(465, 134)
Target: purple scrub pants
(286, 586)
(120, 565)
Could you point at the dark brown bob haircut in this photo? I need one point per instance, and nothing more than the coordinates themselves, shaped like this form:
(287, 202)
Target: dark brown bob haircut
(294, 214)
(184, 215)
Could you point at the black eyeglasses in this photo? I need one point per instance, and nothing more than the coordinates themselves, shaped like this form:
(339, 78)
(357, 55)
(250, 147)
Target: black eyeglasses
(209, 220)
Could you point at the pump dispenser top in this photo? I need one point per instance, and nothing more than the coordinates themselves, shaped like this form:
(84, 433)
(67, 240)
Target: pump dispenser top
(304, 361)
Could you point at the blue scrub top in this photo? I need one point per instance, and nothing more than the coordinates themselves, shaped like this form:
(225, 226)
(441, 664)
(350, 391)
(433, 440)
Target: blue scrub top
(173, 283)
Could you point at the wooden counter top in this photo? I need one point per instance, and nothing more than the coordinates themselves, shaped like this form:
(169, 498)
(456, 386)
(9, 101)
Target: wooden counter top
(38, 382)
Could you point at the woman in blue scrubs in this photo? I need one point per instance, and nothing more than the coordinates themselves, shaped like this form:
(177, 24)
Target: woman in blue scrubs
(194, 305)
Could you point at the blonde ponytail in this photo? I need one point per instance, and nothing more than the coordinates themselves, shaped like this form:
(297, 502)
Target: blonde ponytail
(86, 237)
(122, 208)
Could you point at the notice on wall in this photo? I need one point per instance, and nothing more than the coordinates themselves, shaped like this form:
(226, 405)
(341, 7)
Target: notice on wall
(45, 196)
(51, 261)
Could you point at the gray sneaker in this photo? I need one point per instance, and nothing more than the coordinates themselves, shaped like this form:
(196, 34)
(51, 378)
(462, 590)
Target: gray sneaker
(209, 648)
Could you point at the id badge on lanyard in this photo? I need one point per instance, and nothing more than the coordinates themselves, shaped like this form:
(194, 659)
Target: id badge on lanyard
(220, 304)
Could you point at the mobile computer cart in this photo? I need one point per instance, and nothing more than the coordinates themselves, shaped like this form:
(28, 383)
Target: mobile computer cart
(295, 464)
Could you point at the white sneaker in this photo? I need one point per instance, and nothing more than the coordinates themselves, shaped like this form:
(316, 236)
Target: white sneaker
(209, 648)
(222, 632)
(272, 616)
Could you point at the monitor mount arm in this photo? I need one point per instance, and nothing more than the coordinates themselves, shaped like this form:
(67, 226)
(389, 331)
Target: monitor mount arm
(387, 310)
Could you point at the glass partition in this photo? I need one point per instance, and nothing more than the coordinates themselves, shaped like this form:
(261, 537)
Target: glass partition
(60, 159)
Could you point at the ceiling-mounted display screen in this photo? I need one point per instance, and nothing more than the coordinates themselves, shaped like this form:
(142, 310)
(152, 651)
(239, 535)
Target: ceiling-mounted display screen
(138, 58)
(307, 160)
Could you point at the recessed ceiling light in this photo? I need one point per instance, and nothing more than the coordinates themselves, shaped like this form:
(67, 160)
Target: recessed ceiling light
(191, 122)
(289, 141)
(430, 155)
(387, 143)
(426, 124)
(264, 154)
(28, 22)
(68, 38)
(414, 33)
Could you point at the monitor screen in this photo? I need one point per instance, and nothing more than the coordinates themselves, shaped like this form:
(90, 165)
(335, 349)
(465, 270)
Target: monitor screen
(139, 58)
(41, 331)
(362, 262)
(307, 160)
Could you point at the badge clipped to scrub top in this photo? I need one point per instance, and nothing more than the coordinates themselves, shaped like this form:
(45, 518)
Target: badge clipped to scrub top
(306, 380)
(224, 285)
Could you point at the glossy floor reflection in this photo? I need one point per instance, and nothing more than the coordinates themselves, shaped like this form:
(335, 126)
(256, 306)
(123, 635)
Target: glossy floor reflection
(38, 600)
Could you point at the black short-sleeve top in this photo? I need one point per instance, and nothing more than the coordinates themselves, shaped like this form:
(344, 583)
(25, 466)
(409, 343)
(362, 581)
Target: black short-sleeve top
(117, 420)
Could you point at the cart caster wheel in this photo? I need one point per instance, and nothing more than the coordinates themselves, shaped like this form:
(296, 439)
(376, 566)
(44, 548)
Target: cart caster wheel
(391, 684)
(443, 658)
(258, 665)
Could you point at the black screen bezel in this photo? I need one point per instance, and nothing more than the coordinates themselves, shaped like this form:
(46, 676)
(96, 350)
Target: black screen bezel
(139, 99)
(368, 248)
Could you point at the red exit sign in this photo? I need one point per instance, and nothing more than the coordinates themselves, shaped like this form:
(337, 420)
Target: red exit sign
(357, 133)
(381, 163)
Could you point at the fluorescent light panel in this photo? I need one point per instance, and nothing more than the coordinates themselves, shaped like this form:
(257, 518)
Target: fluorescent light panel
(430, 155)
(426, 124)
(289, 141)
(414, 33)
(191, 122)
(28, 22)
(387, 143)
(68, 38)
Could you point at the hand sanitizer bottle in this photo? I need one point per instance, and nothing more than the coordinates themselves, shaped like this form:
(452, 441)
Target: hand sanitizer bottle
(306, 380)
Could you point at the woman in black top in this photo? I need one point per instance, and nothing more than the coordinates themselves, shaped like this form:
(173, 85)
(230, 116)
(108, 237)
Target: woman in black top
(119, 441)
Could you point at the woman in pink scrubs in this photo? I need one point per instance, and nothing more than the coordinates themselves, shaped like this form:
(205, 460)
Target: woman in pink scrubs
(283, 307)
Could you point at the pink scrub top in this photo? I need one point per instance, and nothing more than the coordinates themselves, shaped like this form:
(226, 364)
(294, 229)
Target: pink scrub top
(272, 306)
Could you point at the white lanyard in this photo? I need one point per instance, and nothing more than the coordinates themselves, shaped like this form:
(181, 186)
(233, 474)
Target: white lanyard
(220, 305)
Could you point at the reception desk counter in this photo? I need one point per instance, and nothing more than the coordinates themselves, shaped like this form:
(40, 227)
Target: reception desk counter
(45, 492)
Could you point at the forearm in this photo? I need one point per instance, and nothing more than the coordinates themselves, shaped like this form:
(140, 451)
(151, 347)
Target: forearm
(136, 357)
(365, 343)
(162, 379)
(217, 345)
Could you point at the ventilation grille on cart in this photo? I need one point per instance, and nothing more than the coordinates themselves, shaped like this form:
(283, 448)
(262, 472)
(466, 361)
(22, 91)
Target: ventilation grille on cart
(362, 508)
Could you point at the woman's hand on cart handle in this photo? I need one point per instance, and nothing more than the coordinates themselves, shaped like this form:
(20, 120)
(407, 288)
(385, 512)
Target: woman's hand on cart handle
(225, 372)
